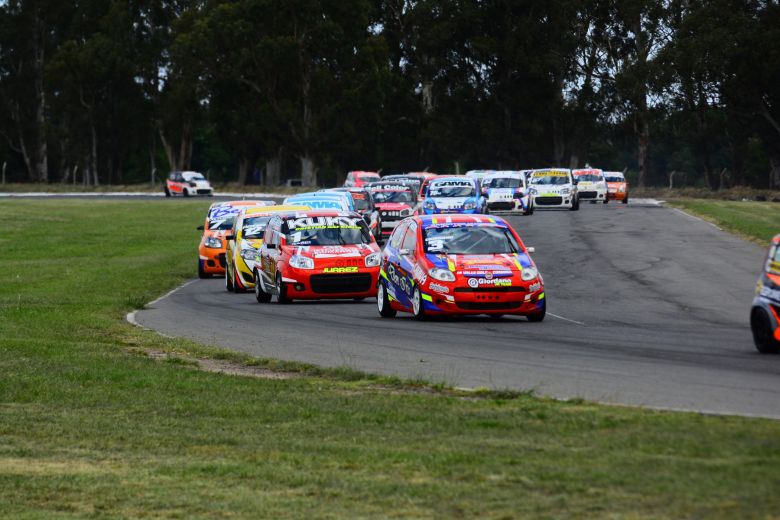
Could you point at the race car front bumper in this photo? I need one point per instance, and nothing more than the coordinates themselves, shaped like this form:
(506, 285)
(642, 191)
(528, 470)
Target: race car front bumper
(498, 300)
(549, 201)
(316, 284)
(212, 260)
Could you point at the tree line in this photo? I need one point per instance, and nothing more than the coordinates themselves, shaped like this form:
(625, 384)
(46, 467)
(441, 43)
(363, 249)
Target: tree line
(109, 91)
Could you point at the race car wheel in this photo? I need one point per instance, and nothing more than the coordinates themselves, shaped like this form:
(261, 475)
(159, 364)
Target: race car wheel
(539, 315)
(625, 201)
(167, 192)
(281, 291)
(238, 287)
(383, 302)
(606, 201)
(575, 204)
(228, 281)
(417, 305)
(260, 295)
(762, 332)
(185, 192)
(201, 272)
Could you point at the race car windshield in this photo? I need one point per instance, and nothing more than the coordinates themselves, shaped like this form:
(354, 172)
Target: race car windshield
(507, 182)
(222, 223)
(469, 240)
(588, 178)
(550, 180)
(457, 190)
(195, 177)
(393, 196)
(326, 231)
(361, 202)
(615, 179)
(254, 227)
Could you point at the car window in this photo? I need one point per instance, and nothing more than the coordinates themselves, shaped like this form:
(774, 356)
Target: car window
(398, 235)
(410, 237)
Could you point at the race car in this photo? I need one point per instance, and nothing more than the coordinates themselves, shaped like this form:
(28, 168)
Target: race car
(358, 179)
(478, 174)
(617, 186)
(395, 201)
(554, 187)
(454, 194)
(244, 241)
(507, 191)
(591, 185)
(459, 264)
(219, 222)
(364, 204)
(323, 200)
(186, 184)
(765, 312)
(317, 255)
(412, 180)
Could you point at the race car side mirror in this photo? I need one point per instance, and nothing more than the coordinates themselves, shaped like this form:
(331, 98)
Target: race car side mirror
(230, 237)
(199, 228)
(270, 245)
(404, 252)
(531, 249)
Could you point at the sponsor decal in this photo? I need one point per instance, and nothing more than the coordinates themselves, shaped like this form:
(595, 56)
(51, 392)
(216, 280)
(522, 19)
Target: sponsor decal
(487, 274)
(418, 273)
(438, 288)
(534, 287)
(496, 282)
(349, 269)
(398, 280)
(455, 182)
(323, 222)
(772, 294)
(551, 173)
(390, 187)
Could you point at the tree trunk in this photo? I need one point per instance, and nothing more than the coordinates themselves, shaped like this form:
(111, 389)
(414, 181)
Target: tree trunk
(94, 158)
(273, 169)
(41, 148)
(308, 171)
(243, 169)
(185, 148)
(643, 135)
(172, 164)
(774, 171)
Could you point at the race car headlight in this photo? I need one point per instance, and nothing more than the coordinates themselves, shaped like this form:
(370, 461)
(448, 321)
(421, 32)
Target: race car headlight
(469, 205)
(406, 212)
(374, 260)
(212, 242)
(442, 275)
(532, 191)
(429, 204)
(565, 191)
(301, 262)
(621, 189)
(249, 254)
(529, 273)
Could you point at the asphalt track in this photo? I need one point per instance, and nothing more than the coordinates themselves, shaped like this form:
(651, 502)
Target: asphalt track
(646, 306)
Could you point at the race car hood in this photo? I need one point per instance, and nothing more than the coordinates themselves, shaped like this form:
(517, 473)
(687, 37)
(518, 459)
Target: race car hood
(501, 193)
(480, 265)
(324, 253)
(252, 242)
(450, 202)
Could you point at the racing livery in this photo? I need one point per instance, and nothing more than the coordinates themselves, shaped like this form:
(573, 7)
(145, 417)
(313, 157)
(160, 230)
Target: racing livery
(323, 200)
(617, 186)
(358, 179)
(242, 244)
(186, 184)
(765, 312)
(317, 255)
(456, 194)
(459, 264)
(395, 201)
(219, 222)
(554, 187)
(591, 185)
(507, 191)
(364, 204)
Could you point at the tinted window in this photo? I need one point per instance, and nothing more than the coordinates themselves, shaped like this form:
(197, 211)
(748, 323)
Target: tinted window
(398, 235)
(410, 238)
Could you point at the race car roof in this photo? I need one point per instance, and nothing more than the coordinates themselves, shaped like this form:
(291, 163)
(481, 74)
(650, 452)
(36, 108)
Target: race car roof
(320, 213)
(456, 220)
(390, 186)
(269, 210)
(504, 174)
(586, 171)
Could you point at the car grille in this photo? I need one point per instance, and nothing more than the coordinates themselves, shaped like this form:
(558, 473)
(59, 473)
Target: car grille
(488, 306)
(588, 194)
(222, 261)
(501, 205)
(203, 192)
(489, 289)
(340, 283)
(548, 201)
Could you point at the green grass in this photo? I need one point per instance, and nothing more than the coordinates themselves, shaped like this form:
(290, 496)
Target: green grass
(756, 221)
(91, 427)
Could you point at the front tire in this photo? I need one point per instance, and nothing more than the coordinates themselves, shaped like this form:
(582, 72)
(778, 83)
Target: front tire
(229, 281)
(260, 295)
(383, 302)
(167, 192)
(575, 204)
(417, 304)
(185, 192)
(281, 291)
(201, 273)
(762, 332)
(539, 315)
(625, 200)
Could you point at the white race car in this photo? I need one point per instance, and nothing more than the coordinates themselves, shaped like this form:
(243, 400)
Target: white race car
(507, 191)
(591, 185)
(554, 188)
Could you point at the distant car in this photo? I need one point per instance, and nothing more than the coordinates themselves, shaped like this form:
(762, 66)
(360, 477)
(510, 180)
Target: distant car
(187, 184)
(554, 187)
(423, 175)
(244, 241)
(364, 204)
(507, 191)
(457, 194)
(459, 264)
(478, 174)
(359, 179)
(395, 201)
(321, 200)
(412, 180)
(316, 255)
(765, 312)
(591, 185)
(617, 186)
(219, 223)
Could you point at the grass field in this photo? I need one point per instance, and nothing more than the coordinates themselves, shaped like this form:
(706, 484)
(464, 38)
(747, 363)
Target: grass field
(91, 426)
(756, 221)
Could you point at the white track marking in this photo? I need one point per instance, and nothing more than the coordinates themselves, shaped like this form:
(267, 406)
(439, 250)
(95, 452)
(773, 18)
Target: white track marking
(565, 319)
(130, 316)
(694, 217)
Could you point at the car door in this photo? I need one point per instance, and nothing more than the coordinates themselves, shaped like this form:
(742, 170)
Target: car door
(392, 261)
(269, 252)
(230, 245)
(408, 258)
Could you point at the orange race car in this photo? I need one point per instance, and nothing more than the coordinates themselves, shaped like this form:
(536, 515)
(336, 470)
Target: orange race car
(617, 186)
(219, 222)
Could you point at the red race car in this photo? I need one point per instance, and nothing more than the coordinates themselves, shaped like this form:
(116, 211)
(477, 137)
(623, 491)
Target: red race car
(359, 179)
(459, 264)
(395, 201)
(316, 255)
